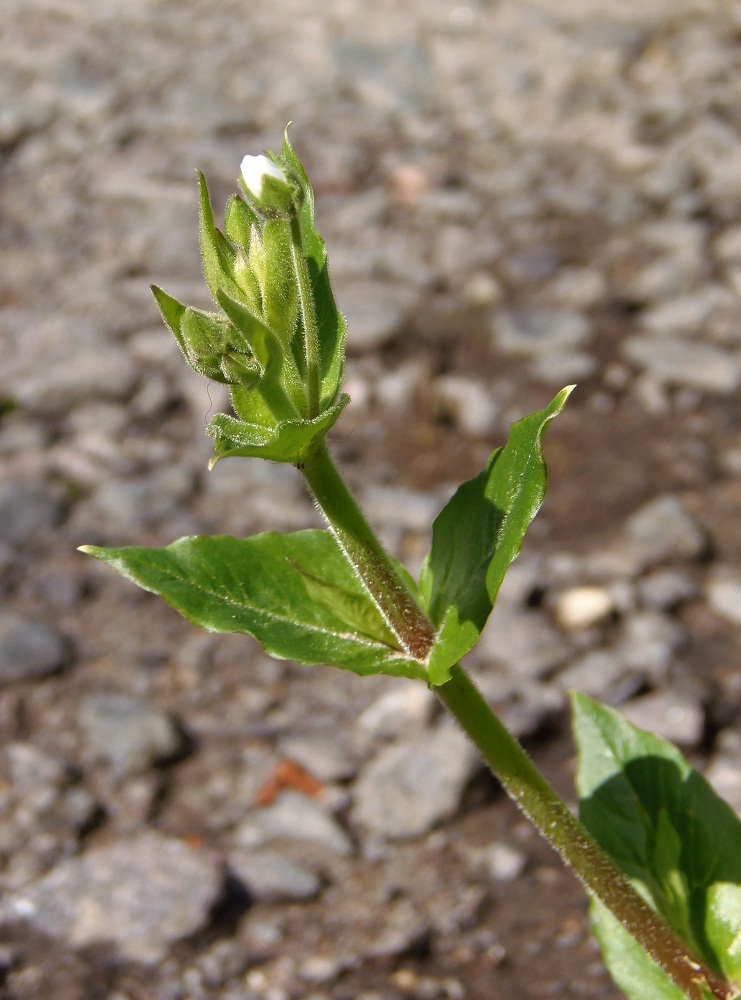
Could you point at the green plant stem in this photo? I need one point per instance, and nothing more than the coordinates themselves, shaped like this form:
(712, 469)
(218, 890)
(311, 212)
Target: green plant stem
(518, 775)
(580, 852)
(378, 574)
(308, 317)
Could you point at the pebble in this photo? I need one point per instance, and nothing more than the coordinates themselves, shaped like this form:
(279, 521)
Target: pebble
(326, 758)
(724, 595)
(29, 650)
(471, 404)
(499, 861)
(26, 509)
(662, 531)
(412, 785)
(293, 817)
(127, 733)
(375, 313)
(665, 589)
(540, 331)
(272, 878)
(583, 607)
(698, 366)
(406, 707)
(669, 715)
(142, 895)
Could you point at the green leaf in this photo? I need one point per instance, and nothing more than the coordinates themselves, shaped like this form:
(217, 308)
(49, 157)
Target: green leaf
(238, 222)
(665, 828)
(172, 313)
(287, 443)
(257, 586)
(478, 534)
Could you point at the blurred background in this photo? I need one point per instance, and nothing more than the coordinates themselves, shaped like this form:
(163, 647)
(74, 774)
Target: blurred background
(515, 196)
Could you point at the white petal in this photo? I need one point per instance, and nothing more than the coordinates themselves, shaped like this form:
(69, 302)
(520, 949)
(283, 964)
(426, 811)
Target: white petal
(255, 169)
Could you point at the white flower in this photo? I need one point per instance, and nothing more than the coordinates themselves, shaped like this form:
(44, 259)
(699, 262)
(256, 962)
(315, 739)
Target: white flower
(255, 169)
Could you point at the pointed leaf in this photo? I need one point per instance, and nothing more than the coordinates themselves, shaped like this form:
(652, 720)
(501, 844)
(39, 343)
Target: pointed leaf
(279, 290)
(662, 824)
(478, 534)
(251, 585)
(358, 612)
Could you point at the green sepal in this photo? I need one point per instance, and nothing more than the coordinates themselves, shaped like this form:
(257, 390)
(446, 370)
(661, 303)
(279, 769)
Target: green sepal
(258, 586)
(172, 313)
(281, 384)
(218, 256)
(331, 323)
(214, 348)
(289, 442)
(277, 279)
(239, 219)
(478, 534)
(666, 829)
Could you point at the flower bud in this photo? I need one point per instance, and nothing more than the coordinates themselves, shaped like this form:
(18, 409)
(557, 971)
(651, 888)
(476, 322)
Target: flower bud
(272, 189)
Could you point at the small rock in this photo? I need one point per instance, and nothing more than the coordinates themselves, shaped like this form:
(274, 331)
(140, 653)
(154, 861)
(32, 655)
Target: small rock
(662, 530)
(501, 862)
(648, 643)
(583, 607)
(407, 706)
(323, 757)
(31, 769)
(600, 674)
(375, 313)
(673, 362)
(410, 510)
(26, 510)
(29, 650)
(470, 404)
(670, 716)
(293, 817)
(540, 331)
(127, 733)
(272, 878)
(411, 786)
(524, 639)
(724, 595)
(142, 895)
(665, 589)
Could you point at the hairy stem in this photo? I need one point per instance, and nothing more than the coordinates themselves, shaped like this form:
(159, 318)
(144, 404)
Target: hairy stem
(577, 848)
(367, 556)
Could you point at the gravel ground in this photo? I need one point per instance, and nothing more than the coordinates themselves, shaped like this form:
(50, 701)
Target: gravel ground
(515, 196)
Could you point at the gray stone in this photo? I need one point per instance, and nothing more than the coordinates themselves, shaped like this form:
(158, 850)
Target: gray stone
(29, 650)
(540, 331)
(664, 589)
(127, 733)
(31, 768)
(563, 366)
(524, 639)
(400, 507)
(272, 878)
(293, 817)
(669, 715)
(648, 642)
(411, 786)
(672, 362)
(661, 531)
(25, 510)
(142, 895)
(406, 707)
(600, 673)
(471, 404)
(323, 756)
(724, 595)
(375, 313)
